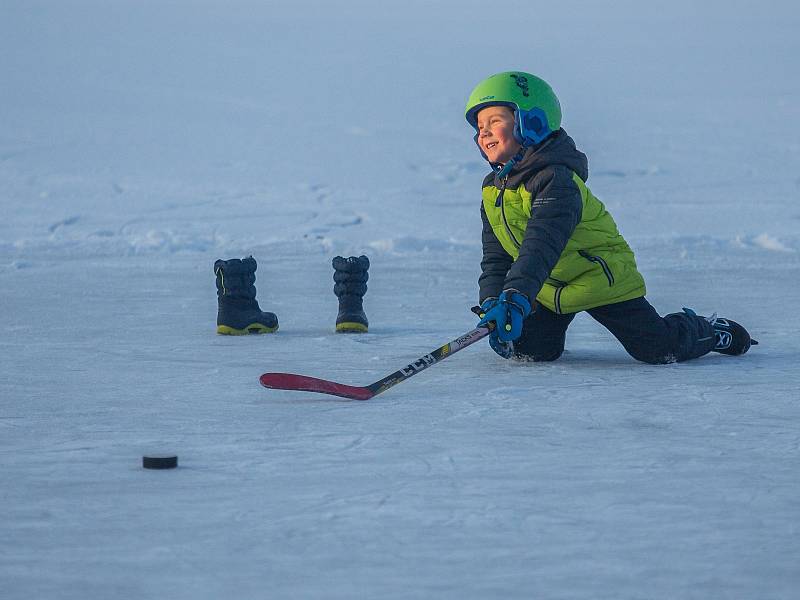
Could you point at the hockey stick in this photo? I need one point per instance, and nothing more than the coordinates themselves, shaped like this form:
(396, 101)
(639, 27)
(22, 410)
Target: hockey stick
(288, 381)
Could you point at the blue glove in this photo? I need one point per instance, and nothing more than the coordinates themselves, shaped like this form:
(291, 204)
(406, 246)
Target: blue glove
(503, 349)
(508, 312)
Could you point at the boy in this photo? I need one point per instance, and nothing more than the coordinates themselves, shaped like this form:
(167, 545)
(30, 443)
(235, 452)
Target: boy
(551, 249)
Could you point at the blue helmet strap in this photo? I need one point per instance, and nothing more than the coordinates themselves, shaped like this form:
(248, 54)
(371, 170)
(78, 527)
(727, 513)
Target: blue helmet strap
(506, 168)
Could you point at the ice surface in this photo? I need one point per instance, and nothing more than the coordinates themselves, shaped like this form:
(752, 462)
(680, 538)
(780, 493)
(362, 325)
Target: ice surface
(140, 141)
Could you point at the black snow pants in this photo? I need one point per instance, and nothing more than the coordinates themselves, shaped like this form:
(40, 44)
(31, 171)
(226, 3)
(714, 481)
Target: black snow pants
(646, 336)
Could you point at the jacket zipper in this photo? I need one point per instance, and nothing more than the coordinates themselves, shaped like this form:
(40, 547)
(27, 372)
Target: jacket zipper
(603, 264)
(499, 202)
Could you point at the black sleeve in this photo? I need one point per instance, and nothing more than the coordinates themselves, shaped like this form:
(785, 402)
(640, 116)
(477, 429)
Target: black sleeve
(556, 210)
(495, 263)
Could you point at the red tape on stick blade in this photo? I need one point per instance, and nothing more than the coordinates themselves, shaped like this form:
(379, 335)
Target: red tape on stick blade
(302, 383)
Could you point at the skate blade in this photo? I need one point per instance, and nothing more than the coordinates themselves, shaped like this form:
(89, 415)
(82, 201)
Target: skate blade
(253, 328)
(349, 327)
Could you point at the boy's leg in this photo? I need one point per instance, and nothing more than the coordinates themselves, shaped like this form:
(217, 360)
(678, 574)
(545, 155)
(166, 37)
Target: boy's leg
(653, 339)
(543, 335)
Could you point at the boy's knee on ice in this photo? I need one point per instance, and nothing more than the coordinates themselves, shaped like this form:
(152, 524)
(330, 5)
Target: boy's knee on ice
(543, 336)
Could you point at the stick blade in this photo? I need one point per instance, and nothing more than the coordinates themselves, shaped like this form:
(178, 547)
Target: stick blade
(302, 383)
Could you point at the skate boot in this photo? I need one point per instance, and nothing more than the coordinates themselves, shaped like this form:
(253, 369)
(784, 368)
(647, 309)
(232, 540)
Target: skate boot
(732, 338)
(350, 285)
(238, 311)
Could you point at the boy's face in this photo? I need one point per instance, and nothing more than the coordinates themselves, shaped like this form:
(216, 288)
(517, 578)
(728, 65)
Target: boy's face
(496, 133)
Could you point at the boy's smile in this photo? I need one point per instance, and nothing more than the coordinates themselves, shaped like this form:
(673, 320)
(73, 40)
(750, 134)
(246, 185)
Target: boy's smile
(496, 133)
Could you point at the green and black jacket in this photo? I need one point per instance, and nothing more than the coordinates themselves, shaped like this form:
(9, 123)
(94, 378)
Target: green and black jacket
(546, 235)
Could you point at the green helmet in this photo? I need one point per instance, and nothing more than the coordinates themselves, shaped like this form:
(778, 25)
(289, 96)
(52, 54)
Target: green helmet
(536, 108)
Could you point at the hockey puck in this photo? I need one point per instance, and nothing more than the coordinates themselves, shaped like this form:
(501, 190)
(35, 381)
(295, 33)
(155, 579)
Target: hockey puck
(162, 461)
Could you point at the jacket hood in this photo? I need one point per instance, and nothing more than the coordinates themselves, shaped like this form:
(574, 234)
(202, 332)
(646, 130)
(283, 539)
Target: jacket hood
(558, 149)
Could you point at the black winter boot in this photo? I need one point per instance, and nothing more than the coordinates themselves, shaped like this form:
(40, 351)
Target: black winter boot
(238, 311)
(350, 285)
